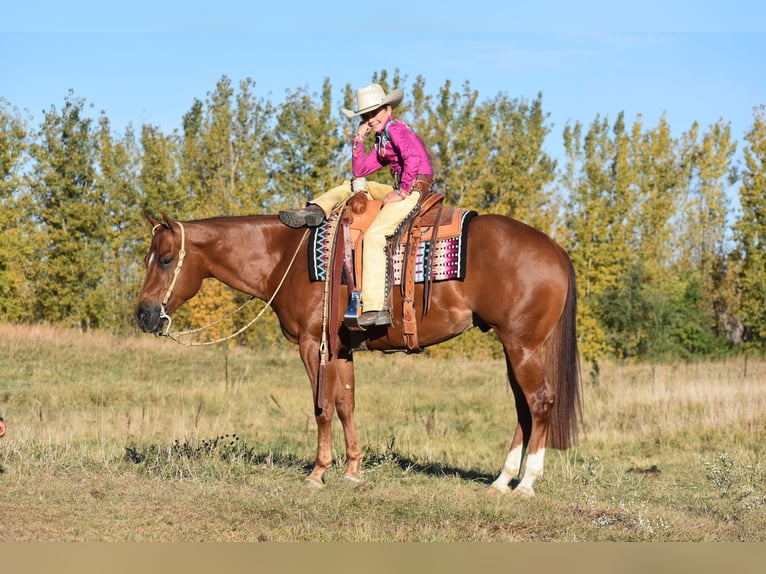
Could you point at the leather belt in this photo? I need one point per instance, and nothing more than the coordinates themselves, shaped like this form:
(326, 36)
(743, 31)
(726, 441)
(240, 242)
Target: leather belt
(423, 184)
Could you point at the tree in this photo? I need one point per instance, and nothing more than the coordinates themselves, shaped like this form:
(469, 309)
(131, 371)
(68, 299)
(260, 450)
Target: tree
(309, 154)
(17, 236)
(458, 133)
(123, 226)
(223, 152)
(69, 209)
(519, 163)
(222, 166)
(159, 173)
(601, 182)
(750, 234)
(703, 252)
(661, 184)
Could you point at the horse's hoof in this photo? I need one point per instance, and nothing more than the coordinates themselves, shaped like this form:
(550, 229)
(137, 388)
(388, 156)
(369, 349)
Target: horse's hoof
(311, 483)
(497, 491)
(523, 492)
(353, 480)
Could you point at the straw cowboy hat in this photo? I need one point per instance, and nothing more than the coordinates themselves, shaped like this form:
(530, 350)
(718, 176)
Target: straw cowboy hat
(373, 97)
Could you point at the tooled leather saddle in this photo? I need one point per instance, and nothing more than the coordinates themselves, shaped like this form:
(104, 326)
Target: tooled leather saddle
(428, 246)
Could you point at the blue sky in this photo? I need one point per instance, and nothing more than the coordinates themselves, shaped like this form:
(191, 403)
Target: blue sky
(146, 62)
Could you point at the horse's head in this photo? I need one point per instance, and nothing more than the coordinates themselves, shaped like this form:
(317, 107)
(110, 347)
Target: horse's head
(170, 279)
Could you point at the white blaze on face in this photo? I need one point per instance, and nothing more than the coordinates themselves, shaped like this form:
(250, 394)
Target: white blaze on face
(151, 259)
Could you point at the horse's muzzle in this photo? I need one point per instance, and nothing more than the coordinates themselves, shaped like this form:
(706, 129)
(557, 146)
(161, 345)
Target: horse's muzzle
(150, 318)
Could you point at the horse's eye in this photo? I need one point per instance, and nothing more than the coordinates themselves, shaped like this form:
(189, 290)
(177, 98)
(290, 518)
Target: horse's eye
(165, 262)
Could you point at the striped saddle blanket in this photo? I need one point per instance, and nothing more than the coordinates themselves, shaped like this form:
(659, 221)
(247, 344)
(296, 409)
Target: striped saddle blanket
(439, 258)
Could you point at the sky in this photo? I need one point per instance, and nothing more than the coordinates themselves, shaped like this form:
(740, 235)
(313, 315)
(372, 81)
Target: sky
(146, 62)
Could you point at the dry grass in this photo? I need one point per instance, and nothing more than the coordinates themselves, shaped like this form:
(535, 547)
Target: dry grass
(137, 439)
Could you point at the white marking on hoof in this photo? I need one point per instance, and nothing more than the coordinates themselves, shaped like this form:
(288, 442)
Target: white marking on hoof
(532, 471)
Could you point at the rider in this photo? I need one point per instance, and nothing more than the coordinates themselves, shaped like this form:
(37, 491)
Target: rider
(397, 147)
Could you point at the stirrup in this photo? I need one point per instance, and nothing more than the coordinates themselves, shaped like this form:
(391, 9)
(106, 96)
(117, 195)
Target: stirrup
(351, 316)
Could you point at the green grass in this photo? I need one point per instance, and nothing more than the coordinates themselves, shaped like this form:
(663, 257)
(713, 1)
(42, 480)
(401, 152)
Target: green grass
(139, 439)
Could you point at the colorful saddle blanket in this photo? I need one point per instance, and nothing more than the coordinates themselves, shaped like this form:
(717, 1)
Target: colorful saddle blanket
(446, 254)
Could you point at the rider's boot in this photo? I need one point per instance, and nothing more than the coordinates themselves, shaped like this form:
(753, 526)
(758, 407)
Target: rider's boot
(309, 216)
(370, 318)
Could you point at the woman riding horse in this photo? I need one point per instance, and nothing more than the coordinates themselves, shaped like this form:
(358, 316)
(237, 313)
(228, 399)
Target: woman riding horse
(397, 147)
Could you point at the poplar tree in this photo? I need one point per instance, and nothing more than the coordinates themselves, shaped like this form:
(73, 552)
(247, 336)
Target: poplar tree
(223, 151)
(68, 209)
(17, 235)
(309, 154)
(159, 173)
(661, 190)
(222, 171)
(123, 226)
(253, 137)
(601, 183)
(458, 134)
(703, 256)
(750, 234)
(522, 171)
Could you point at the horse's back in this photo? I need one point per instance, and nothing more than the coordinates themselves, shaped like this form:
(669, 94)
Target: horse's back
(501, 242)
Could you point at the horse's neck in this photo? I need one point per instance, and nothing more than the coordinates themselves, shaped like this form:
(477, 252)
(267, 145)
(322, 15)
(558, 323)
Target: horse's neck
(246, 253)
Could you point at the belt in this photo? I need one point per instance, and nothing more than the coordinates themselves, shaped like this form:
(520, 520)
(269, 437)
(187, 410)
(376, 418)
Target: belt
(423, 184)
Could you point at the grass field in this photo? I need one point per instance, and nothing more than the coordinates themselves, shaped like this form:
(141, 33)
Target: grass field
(139, 439)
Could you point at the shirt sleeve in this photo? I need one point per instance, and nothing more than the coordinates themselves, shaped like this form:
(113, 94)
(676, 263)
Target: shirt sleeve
(412, 154)
(362, 163)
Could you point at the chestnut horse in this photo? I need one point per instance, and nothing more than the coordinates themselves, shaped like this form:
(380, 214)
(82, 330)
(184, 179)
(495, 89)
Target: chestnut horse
(518, 282)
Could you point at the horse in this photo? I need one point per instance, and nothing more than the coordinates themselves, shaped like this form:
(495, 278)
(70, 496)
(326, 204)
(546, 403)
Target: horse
(518, 283)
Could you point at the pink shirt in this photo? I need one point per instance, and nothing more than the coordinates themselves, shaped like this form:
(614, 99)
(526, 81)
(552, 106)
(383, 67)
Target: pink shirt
(397, 147)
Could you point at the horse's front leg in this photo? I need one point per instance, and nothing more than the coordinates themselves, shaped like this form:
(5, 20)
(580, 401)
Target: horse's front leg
(337, 394)
(323, 459)
(323, 393)
(343, 374)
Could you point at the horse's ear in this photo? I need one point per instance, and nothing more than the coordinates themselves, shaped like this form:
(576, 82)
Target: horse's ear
(153, 222)
(168, 221)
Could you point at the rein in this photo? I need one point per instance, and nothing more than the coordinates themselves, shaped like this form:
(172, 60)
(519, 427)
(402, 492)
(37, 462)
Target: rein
(176, 335)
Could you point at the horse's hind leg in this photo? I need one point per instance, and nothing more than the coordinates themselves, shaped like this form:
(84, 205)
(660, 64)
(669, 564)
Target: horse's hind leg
(533, 405)
(512, 467)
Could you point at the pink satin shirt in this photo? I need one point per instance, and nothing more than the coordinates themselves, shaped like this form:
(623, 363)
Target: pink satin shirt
(397, 147)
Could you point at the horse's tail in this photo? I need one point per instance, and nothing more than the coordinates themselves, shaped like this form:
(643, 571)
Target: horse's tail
(562, 369)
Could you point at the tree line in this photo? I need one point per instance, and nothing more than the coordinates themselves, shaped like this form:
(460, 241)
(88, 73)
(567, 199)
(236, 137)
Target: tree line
(666, 268)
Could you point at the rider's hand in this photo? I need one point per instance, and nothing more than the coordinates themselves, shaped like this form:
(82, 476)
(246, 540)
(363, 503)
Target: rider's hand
(392, 197)
(363, 129)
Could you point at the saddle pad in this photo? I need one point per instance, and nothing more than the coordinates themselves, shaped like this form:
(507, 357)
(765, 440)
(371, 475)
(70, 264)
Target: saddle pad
(447, 254)
(320, 248)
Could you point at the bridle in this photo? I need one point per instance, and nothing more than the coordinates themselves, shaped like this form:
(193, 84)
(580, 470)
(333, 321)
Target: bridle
(164, 315)
(176, 272)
